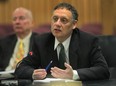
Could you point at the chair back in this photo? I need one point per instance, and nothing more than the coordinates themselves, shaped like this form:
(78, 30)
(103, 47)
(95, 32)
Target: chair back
(108, 46)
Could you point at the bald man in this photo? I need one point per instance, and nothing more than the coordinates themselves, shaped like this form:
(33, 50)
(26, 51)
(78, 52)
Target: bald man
(22, 21)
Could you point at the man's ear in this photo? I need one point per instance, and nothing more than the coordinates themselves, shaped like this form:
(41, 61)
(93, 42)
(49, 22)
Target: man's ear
(74, 24)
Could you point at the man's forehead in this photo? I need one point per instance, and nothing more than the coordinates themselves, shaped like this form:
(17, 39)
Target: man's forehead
(20, 9)
(62, 9)
(62, 12)
(19, 13)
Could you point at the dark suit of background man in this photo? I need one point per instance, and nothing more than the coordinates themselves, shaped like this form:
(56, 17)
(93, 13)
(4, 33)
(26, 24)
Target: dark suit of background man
(22, 24)
(83, 53)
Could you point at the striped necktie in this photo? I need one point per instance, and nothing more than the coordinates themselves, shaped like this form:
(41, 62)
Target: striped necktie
(62, 56)
(19, 54)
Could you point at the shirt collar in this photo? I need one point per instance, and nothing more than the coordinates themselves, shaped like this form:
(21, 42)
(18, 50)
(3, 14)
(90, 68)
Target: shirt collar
(65, 43)
(26, 38)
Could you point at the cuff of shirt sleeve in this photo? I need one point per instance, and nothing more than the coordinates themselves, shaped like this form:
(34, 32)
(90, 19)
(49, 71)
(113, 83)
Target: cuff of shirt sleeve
(33, 77)
(75, 75)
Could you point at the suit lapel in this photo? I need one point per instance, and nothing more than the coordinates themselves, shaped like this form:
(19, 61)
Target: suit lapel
(74, 50)
(31, 41)
(12, 43)
(52, 54)
(55, 58)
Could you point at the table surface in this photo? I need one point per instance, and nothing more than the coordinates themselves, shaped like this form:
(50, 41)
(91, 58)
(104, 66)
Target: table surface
(110, 82)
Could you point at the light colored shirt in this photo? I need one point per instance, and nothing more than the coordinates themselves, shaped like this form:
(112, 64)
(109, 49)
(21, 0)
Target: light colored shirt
(66, 44)
(66, 48)
(26, 42)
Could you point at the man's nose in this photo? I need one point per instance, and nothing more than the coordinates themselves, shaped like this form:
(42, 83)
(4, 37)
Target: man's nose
(58, 22)
(17, 20)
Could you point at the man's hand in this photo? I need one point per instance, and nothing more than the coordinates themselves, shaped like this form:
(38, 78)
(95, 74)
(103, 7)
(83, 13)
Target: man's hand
(39, 74)
(60, 73)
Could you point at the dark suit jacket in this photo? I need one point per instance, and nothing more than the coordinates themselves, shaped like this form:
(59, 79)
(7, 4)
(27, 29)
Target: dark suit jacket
(7, 46)
(84, 56)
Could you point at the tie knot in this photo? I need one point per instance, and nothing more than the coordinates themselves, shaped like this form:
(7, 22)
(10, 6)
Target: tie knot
(21, 45)
(61, 45)
(21, 41)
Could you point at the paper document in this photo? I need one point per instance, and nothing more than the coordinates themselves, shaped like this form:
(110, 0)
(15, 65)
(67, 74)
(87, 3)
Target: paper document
(7, 72)
(52, 79)
(56, 82)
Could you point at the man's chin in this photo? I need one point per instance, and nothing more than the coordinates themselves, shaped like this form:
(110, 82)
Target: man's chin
(20, 32)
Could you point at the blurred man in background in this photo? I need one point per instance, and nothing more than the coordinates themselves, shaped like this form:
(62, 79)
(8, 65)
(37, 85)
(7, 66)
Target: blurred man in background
(14, 47)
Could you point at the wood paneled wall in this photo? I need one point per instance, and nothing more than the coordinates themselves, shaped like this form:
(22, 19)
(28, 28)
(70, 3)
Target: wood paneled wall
(109, 16)
(90, 11)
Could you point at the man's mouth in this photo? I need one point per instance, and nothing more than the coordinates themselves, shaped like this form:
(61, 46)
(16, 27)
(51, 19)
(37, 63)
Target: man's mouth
(57, 29)
(17, 27)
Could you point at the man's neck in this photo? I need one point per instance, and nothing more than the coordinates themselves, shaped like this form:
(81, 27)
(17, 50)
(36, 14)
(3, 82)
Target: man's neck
(23, 35)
